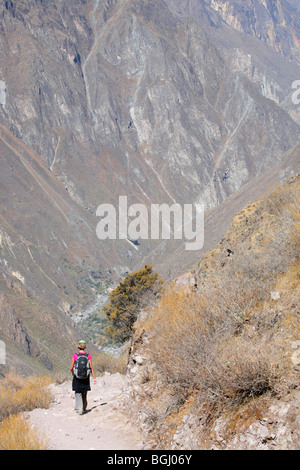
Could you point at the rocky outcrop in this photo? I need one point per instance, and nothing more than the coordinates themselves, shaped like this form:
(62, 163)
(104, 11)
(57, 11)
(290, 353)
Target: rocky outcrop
(251, 35)
(268, 420)
(13, 331)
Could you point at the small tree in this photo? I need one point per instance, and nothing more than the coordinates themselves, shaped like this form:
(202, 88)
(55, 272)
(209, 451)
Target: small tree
(126, 302)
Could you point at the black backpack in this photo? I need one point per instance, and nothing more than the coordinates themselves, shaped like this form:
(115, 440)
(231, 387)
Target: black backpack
(82, 367)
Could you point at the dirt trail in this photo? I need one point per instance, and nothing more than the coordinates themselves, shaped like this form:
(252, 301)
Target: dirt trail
(103, 427)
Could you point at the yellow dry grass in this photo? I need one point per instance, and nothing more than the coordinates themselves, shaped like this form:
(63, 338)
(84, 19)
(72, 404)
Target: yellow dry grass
(17, 395)
(17, 434)
(104, 362)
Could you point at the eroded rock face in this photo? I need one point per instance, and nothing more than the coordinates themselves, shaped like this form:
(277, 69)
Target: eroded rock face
(130, 84)
(259, 39)
(273, 22)
(12, 329)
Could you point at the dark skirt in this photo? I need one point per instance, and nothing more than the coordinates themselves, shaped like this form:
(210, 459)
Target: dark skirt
(81, 385)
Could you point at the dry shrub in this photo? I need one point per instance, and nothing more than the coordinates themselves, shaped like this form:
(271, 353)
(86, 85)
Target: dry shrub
(18, 394)
(284, 203)
(293, 212)
(17, 434)
(290, 303)
(105, 362)
(182, 329)
(240, 372)
(13, 381)
(176, 330)
(196, 343)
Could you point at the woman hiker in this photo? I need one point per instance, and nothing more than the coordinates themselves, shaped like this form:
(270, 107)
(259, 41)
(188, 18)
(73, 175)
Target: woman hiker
(81, 385)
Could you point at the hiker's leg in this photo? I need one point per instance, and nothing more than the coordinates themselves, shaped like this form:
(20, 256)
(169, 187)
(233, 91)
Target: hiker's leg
(78, 402)
(84, 401)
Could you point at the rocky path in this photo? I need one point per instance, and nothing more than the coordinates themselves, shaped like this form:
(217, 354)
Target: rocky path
(103, 427)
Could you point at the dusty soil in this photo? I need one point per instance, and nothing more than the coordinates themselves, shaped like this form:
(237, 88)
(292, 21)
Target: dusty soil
(104, 427)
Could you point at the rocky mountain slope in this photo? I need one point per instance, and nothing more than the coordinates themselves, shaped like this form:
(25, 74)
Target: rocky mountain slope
(295, 3)
(216, 366)
(259, 39)
(123, 97)
(273, 22)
